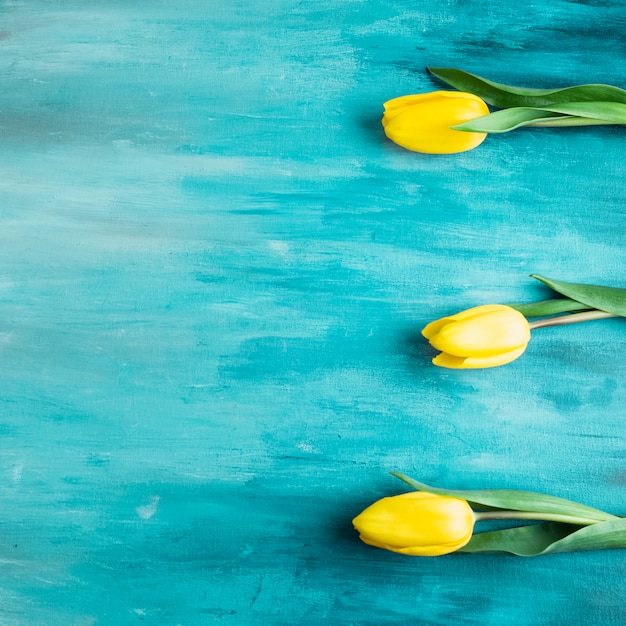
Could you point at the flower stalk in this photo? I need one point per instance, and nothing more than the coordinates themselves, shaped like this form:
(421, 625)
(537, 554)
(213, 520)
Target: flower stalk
(434, 123)
(431, 521)
(574, 318)
(496, 334)
(482, 516)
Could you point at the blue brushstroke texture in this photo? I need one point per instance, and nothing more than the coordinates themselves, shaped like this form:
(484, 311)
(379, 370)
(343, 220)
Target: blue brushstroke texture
(213, 273)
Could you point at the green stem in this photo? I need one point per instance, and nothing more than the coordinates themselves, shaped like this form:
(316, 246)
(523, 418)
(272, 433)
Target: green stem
(530, 515)
(571, 319)
(572, 121)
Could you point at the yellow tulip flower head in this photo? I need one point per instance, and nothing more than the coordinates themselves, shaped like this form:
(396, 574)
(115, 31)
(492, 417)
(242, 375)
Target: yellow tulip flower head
(422, 122)
(484, 336)
(417, 524)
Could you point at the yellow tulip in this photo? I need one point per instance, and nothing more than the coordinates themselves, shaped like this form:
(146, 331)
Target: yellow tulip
(422, 122)
(484, 336)
(417, 523)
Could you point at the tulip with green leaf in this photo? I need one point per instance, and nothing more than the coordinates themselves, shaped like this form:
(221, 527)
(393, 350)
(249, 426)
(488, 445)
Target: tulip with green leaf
(495, 334)
(434, 522)
(435, 122)
(580, 105)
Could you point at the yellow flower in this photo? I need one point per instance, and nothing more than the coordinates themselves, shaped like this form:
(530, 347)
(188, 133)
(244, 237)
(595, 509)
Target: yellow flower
(484, 336)
(417, 523)
(422, 122)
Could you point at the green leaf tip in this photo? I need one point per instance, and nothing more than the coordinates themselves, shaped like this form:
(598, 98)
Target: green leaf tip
(608, 299)
(510, 499)
(507, 96)
(551, 537)
(597, 531)
(570, 114)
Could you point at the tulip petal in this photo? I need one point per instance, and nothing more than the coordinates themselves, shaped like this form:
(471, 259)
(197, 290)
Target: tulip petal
(404, 101)
(484, 331)
(430, 330)
(434, 327)
(428, 550)
(458, 362)
(439, 550)
(417, 523)
(422, 122)
(479, 310)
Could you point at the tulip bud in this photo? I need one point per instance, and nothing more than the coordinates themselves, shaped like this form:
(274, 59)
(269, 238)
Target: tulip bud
(417, 523)
(484, 336)
(422, 122)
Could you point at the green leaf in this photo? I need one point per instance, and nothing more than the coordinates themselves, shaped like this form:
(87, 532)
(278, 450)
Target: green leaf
(570, 114)
(514, 500)
(550, 537)
(505, 96)
(549, 307)
(529, 540)
(612, 112)
(601, 536)
(508, 119)
(609, 299)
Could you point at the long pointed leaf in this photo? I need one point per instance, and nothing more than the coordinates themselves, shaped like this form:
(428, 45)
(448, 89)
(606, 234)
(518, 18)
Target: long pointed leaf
(514, 500)
(609, 299)
(505, 96)
(509, 119)
(613, 112)
(529, 540)
(601, 536)
(551, 537)
(548, 307)
(570, 114)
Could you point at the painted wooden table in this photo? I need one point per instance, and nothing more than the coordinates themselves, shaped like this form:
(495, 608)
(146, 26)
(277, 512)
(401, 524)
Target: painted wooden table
(213, 273)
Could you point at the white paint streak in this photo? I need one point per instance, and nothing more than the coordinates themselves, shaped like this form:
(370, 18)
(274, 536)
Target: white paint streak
(305, 446)
(148, 510)
(16, 473)
(280, 247)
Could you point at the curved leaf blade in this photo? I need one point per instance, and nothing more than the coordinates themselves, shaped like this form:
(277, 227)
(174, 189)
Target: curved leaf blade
(531, 540)
(609, 299)
(514, 500)
(603, 536)
(509, 119)
(550, 537)
(570, 114)
(549, 307)
(611, 112)
(505, 96)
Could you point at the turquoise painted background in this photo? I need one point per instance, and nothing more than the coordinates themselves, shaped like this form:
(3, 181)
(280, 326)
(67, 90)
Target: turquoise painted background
(213, 273)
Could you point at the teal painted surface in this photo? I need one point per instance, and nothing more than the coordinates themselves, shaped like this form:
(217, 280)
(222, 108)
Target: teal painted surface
(213, 273)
